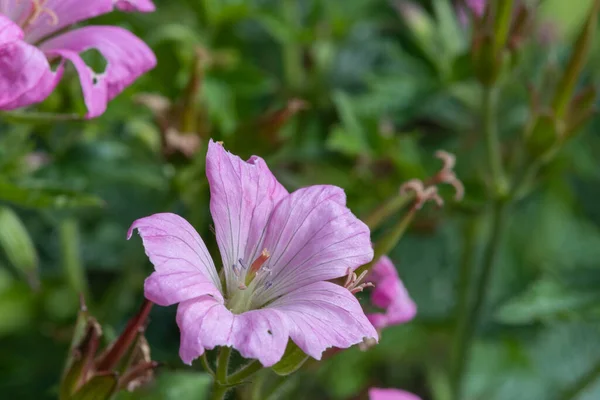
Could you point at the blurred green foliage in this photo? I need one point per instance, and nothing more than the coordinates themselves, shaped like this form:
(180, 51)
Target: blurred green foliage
(359, 94)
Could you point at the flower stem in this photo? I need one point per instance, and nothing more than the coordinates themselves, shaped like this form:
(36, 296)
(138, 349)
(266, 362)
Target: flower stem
(465, 340)
(223, 365)
(580, 386)
(492, 142)
(245, 372)
(499, 194)
(219, 391)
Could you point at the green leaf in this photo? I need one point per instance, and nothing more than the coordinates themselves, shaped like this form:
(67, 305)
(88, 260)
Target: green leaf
(43, 196)
(546, 299)
(292, 360)
(100, 387)
(173, 385)
(18, 246)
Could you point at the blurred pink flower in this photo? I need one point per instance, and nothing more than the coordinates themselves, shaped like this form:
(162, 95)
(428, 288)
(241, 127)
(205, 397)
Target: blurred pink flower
(477, 7)
(278, 249)
(390, 295)
(391, 394)
(32, 34)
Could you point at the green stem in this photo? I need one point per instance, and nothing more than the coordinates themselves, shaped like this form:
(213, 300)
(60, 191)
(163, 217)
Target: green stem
(223, 365)
(579, 387)
(389, 207)
(206, 365)
(245, 372)
(463, 296)
(219, 391)
(489, 101)
(389, 241)
(473, 318)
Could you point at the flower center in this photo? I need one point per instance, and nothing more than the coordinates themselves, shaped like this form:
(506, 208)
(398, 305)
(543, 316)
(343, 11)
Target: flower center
(37, 9)
(244, 288)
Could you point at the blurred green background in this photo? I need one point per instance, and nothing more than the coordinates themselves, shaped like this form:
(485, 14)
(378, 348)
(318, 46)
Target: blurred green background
(355, 93)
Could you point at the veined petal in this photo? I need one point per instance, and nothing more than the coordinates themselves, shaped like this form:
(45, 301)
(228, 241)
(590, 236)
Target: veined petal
(206, 323)
(389, 294)
(323, 315)
(135, 5)
(242, 197)
(126, 55)
(183, 267)
(25, 75)
(312, 236)
(261, 334)
(63, 13)
(391, 394)
(9, 31)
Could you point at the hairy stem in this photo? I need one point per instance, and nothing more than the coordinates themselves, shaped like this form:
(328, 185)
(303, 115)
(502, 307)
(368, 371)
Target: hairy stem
(223, 365)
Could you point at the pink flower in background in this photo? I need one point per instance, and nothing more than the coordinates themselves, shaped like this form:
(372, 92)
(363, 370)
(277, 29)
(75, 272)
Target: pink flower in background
(477, 7)
(391, 394)
(278, 250)
(32, 34)
(390, 295)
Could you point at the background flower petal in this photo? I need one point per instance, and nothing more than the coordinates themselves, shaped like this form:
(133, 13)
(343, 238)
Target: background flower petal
(25, 75)
(389, 294)
(312, 236)
(391, 394)
(242, 197)
(127, 58)
(135, 5)
(323, 315)
(184, 268)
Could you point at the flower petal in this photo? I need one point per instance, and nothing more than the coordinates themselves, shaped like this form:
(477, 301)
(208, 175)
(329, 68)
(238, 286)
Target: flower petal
(242, 196)
(206, 323)
(260, 334)
(126, 55)
(391, 394)
(64, 13)
(25, 75)
(389, 294)
(323, 315)
(135, 5)
(183, 267)
(9, 31)
(312, 236)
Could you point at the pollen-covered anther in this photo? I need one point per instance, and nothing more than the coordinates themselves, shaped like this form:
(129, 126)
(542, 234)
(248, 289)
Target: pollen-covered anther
(353, 282)
(422, 194)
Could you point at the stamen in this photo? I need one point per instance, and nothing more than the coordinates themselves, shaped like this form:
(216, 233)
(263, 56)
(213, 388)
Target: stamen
(422, 194)
(235, 269)
(268, 284)
(242, 263)
(38, 9)
(353, 282)
(241, 286)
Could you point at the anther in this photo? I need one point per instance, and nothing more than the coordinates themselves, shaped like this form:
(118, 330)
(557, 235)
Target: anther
(242, 263)
(353, 282)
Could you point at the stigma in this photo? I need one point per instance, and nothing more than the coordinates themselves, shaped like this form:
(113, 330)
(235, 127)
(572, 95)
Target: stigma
(38, 8)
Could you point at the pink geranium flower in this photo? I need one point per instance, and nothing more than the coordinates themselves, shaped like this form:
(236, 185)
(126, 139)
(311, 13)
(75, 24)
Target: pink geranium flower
(278, 249)
(35, 32)
(391, 394)
(390, 295)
